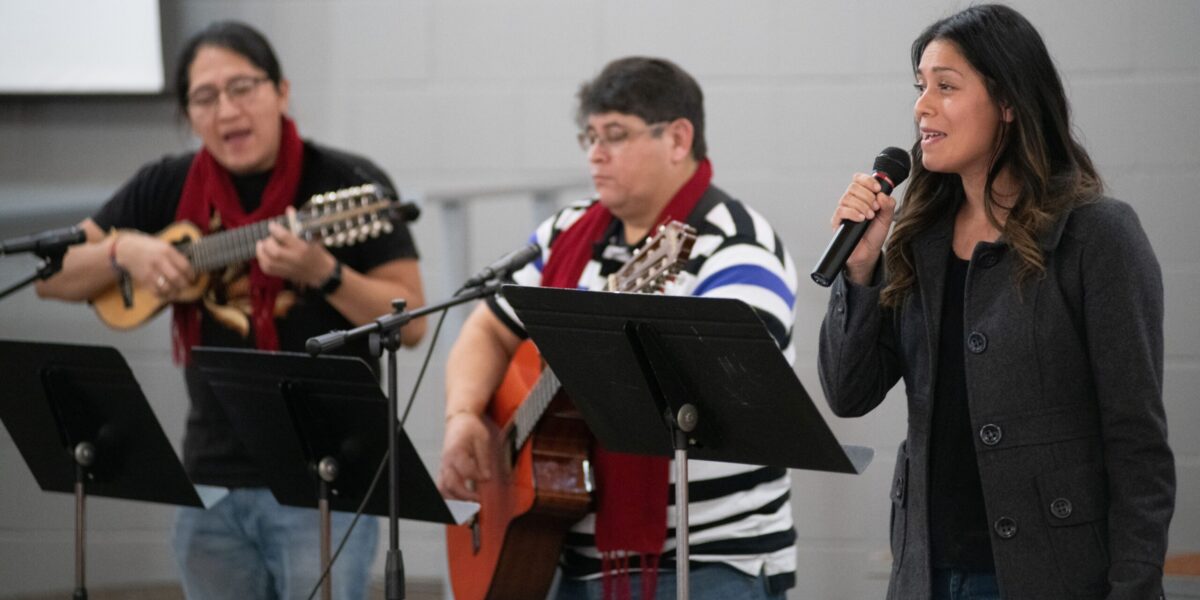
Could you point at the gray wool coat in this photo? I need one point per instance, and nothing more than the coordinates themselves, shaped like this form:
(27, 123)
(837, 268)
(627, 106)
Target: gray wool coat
(1064, 386)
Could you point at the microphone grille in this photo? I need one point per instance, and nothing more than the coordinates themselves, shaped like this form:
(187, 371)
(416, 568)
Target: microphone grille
(895, 163)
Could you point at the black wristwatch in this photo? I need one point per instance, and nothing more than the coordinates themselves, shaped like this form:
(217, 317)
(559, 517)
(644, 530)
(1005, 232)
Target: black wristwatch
(334, 281)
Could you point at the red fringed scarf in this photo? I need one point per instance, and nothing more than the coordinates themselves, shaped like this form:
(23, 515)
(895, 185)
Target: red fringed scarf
(207, 187)
(631, 490)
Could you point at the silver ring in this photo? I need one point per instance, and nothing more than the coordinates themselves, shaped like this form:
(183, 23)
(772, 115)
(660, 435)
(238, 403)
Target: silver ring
(161, 282)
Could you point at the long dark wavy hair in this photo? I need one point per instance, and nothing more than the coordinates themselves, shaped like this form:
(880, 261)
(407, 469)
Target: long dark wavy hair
(1053, 171)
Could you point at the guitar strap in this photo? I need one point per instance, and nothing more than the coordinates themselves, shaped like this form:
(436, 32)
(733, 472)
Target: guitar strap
(631, 490)
(208, 187)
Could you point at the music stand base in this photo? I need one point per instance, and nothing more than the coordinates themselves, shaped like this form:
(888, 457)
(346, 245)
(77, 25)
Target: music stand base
(394, 576)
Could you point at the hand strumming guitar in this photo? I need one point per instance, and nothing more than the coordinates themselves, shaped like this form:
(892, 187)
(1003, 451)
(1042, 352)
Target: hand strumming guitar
(467, 455)
(152, 263)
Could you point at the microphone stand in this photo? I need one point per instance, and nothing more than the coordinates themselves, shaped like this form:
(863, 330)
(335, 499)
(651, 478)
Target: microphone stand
(384, 334)
(52, 259)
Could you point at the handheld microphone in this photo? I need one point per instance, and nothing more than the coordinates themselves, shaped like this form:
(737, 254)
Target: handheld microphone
(890, 169)
(45, 242)
(504, 265)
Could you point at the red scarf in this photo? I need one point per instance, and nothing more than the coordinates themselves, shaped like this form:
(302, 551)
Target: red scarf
(208, 187)
(631, 490)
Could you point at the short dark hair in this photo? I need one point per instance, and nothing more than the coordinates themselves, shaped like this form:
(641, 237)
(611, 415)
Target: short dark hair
(231, 35)
(654, 89)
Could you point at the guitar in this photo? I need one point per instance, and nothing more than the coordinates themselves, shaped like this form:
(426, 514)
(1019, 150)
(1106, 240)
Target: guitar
(339, 218)
(542, 480)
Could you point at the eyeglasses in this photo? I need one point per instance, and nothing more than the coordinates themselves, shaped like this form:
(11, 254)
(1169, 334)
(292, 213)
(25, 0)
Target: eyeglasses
(614, 136)
(237, 89)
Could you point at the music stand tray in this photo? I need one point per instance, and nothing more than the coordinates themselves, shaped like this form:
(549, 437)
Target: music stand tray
(752, 407)
(316, 428)
(684, 377)
(292, 410)
(83, 426)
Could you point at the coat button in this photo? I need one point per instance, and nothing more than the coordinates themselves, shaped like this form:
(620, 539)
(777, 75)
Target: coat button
(899, 493)
(976, 342)
(1005, 527)
(989, 260)
(1061, 508)
(990, 434)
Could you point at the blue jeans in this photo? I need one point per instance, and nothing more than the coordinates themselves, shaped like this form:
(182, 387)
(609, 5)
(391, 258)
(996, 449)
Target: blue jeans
(248, 546)
(714, 581)
(953, 584)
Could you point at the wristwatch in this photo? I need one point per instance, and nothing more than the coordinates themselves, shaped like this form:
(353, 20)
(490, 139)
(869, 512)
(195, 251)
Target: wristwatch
(334, 281)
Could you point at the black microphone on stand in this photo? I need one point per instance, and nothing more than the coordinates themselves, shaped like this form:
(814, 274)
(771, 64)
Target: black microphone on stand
(891, 169)
(504, 265)
(44, 242)
(50, 246)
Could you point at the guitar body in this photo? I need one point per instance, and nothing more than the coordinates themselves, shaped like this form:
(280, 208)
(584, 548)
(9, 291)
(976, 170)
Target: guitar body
(110, 306)
(510, 549)
(336, 218)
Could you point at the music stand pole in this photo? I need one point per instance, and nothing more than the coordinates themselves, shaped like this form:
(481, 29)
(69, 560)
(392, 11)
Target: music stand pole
(85, 456)
(394, 569)
(683, 423)
(327, 472)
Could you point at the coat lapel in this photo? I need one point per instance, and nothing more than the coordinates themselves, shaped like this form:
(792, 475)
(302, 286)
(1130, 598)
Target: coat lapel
(930, 253)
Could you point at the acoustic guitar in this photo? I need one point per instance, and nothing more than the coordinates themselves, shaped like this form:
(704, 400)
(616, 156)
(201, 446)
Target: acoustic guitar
(542, 480)
(338, 218)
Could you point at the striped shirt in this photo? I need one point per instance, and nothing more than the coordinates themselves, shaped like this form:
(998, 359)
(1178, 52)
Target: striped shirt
(739, 515)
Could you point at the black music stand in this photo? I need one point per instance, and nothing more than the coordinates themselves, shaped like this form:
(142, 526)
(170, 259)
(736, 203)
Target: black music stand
(83, 426)
(683, 377)
(316, 428)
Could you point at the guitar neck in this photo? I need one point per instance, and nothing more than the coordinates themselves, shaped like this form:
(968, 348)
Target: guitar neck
(228, 247)
(530, 412)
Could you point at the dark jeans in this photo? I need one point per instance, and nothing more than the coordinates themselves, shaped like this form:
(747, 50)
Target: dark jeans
(708, 582)
(953, 584)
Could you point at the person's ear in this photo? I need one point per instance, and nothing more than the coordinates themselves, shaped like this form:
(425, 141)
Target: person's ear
(284, 89)
(682, 133)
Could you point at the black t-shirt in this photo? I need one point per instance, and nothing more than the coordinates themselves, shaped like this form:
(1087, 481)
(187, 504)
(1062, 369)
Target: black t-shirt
(958, 527)
(212, 453)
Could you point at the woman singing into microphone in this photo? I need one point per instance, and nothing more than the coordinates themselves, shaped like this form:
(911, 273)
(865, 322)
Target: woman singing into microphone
(1024, 311)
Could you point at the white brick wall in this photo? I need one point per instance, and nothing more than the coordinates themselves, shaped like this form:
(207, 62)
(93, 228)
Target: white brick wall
(477, 92)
